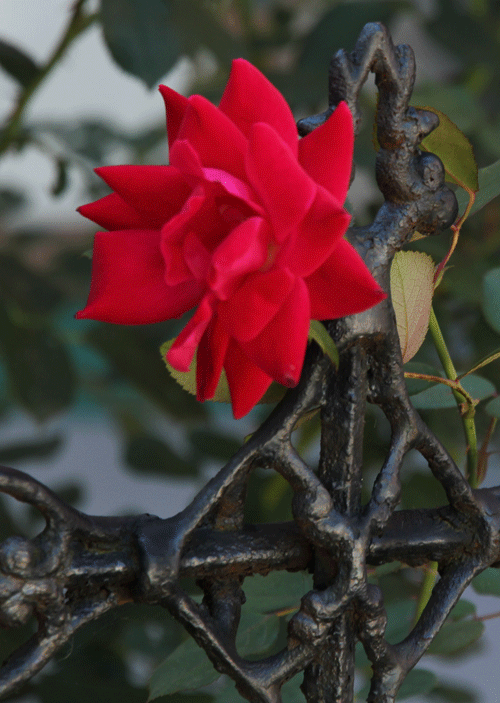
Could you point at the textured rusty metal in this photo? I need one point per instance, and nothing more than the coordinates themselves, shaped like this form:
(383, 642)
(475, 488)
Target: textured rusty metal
(81, 566)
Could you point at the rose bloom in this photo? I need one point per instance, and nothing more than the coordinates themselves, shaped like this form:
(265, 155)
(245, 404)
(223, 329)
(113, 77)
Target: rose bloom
(246, 225)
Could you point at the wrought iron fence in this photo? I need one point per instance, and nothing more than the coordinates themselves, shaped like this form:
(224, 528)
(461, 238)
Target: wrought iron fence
(81, 566)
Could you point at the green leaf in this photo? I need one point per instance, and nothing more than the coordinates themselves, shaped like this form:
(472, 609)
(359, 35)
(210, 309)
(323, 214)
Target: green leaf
(188, 667)
(492, 356)
(209, 443)
(278, 590)
(25, 451)
(417, 385)
(141, 37)
(319, 333)
(412, 287)
(487, 582)
(462, 610)
(185, 669)
(489, 188)
(491, 298)
(256, 632)
(441, 396)
(136, 357)
(454, 150)
(148, 454)
(493, 407)
(418, 682)
(455, 636)
(452, 694)
(187, 380)
(41, 375)
(17, 63)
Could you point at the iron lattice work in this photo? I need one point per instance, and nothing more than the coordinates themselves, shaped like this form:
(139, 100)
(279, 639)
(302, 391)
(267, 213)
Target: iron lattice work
(81, 566)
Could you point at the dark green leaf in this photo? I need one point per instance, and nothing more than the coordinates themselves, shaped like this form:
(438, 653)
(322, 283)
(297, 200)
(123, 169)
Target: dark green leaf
(491, 298)
(136, 357)
(256, 633)
(141, 36)
(455, 636)
(213, 444)
(189, 668)
(61, 181)
(489, 188)
(18, 64)
(278, 590)
(451, 694)
(418, 682)
(39, 369)
(417, 385)
(463, 609)
(422, 490)
(10, 201)
(24, 451)
(149, 454)
(198, 27)
(487, 582)
(493, 407)
(26, 288)
(441, 396)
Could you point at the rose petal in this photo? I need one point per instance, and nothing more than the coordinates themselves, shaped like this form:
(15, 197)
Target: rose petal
(242, 251)
(283, 186)
(196, 256)
(210, 359)
(112, 212)
(175, 106)
(249, 98)
(255, 303)
(158, 192)
(214, 137)
(317, 235)
(247, 382)
(199, 215)
(181, 353)
(326, 153)
(342, 286)
(280, 348)
(128, 285)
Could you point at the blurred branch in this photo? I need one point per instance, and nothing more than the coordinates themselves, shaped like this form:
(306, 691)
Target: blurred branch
(77, 25)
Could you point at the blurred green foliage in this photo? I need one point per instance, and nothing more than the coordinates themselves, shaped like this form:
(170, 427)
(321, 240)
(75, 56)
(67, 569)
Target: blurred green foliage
(51, 365)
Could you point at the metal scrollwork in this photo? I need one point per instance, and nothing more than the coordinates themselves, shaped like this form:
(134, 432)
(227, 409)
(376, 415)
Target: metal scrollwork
(81, 566)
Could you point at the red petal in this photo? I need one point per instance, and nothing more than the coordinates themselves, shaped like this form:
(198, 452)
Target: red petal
(158, 192)
(198, 215)
(128, 285)
(342, 286)
(284, 187)
(216, 140)
(112, 212)
(176, 106)
(196, 256)
(181, 353)
(210, 359)
(326, 153)
(242, 251)
(280, 348)
(317, 236)
(247, 383)
(255, 303)
(249, 98)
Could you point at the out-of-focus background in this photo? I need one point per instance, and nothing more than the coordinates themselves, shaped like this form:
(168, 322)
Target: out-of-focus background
(88, 408)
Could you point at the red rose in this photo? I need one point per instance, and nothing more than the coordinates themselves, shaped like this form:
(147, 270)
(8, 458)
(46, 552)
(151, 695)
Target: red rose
(246, 225)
